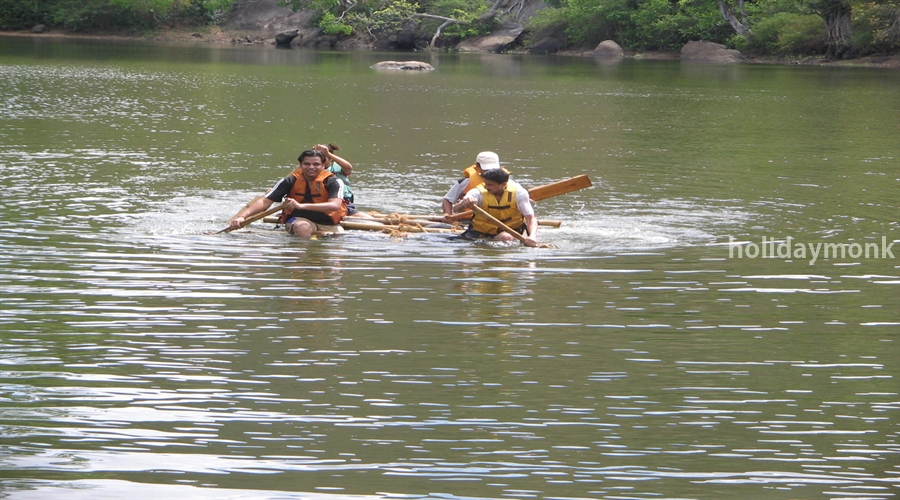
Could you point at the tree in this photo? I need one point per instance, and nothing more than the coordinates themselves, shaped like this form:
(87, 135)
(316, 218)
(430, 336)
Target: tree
(729, 11)
(837, 16)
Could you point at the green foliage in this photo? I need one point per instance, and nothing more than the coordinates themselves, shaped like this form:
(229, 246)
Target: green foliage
(332, 25)
(657, 24)
(647, 24)
(778, 26)
(466, 11)
(876, 27)
(90, 15)
(787, 33)
(584, 22)
(392, 16)
(100, 15)
(19, 14)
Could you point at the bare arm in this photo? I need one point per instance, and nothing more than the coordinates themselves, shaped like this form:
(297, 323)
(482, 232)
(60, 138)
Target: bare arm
(464, 204)
(327, 206)
(346, 166)
(257, 206)
(447, 207)
(531, 224)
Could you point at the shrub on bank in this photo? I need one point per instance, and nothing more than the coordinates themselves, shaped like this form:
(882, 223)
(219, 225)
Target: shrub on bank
(784, 34)
(111, 15)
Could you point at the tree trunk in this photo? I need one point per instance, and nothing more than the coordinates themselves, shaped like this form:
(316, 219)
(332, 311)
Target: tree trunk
(837, 15)
(741, 26)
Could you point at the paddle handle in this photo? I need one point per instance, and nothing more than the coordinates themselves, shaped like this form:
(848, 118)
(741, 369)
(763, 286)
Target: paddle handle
(255, 218)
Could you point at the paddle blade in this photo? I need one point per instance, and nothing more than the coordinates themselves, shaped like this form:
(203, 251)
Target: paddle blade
(560, 187)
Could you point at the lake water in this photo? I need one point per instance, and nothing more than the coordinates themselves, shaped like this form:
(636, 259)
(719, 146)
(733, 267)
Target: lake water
(653, 352)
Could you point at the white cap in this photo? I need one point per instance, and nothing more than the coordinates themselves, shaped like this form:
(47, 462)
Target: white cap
(488, 159)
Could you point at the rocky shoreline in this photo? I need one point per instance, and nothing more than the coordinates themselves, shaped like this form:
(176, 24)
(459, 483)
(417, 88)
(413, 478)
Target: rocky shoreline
(247, 37)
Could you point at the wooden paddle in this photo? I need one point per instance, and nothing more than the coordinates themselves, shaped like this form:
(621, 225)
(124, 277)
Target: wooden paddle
(559, 187)
(244, 208)
(501, 225)
(543, 192)
(254, 218)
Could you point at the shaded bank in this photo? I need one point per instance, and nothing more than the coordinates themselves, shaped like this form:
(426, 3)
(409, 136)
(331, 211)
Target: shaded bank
(267, 37)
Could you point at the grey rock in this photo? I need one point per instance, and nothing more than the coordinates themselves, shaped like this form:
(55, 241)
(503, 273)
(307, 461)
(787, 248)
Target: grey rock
(709, 52)
(495, 42)
(608, 49)
(403, 65)
(286, 37)
(548, 45)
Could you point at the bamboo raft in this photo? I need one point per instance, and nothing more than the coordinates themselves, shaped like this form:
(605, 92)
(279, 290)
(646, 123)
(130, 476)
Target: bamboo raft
(397, 224)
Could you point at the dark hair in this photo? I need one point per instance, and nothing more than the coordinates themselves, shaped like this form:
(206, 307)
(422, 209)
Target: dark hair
(333, 147)
(497, 175)
(312, 152)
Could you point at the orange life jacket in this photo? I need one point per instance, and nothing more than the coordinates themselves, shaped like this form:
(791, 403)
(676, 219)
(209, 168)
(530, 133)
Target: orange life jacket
(474, 176)
(303, 192)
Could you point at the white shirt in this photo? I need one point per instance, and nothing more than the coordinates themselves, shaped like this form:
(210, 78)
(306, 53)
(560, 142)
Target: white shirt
(458, 190)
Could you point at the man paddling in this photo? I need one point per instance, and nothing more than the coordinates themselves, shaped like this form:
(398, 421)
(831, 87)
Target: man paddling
(471, 179)
(506, 201)
(312, 199)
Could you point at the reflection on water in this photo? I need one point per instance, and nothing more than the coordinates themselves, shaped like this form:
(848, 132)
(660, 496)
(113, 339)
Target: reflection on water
(144, 355)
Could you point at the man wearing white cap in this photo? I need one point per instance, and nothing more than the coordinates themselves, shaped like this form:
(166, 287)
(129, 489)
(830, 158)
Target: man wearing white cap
(506, 205)
(472, 178)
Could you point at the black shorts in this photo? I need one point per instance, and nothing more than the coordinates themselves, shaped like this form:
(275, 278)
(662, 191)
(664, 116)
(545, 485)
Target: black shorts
(471, 234)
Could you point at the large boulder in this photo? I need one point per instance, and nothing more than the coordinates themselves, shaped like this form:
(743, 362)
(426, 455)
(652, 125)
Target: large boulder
(609, 49)
(404, 65)
(405, 39)
(709, 52)
(547, 45)
(285, 38)
(266, 16)
(495, 42)
(39, 28)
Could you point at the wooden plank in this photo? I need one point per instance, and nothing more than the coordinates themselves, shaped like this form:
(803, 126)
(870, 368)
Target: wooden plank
(374, 226)
(560, 187)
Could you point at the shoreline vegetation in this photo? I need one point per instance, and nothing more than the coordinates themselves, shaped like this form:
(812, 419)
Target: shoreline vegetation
(220, 35)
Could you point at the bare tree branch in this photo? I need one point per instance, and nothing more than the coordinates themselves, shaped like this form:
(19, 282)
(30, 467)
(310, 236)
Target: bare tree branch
(352, 3)
(437, 33)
